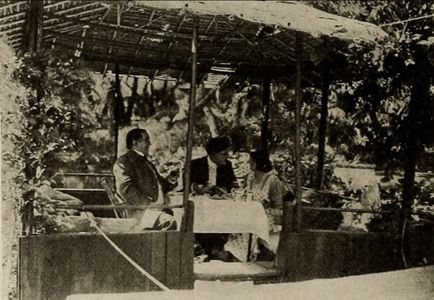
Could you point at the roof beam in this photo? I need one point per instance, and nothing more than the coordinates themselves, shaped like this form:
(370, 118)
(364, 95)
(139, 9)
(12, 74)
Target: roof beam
(10, 33)
(7, 24)
(141, 38)
(47, 9)
(108, 10)
(13, 7)
(144, 26)
(121, 28)
(223, 47)
(121, 45)
(174, 36)
(90, 5)
(49, 21)
(130, 29)
(133, 47)
(136, 62)
(208, 27)
(252, 44)
(143, 63)
(109, 52)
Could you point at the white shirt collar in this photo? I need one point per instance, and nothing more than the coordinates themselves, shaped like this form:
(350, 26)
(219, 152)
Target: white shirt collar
(212, 172)
(139, 152)
(211, 164)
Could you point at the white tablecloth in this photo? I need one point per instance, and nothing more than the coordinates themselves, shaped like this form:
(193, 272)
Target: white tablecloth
(228, 216)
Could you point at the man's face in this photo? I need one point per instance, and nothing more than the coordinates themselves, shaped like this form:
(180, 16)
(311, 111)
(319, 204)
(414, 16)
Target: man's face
(143, 144)
(220, 157)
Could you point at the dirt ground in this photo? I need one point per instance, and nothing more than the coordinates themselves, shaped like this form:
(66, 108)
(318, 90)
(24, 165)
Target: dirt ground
(416, 283)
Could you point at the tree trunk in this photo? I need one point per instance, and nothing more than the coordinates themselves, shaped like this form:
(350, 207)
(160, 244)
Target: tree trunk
(118, 107)
(419, 95)
(33, 27)
(298, 100)
(265, 113)
(322, 130)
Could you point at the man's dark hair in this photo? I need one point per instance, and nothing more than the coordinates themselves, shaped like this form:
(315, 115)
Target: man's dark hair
(262, 160)
(134, 135)
(217, 144)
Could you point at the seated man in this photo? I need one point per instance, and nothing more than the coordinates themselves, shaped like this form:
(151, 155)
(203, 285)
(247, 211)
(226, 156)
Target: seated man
(210, 172)
(139, 183)
(214, 169)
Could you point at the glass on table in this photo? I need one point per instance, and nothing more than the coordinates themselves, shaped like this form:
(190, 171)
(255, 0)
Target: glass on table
(239, 194)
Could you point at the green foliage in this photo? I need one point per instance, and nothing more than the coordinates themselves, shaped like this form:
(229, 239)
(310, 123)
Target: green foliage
(48, 113)
(390, 195)
(376, 104)
(11, 177)
(57, 109)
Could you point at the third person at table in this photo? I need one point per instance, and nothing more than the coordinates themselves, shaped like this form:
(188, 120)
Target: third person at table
(267, 188)
(213, 172)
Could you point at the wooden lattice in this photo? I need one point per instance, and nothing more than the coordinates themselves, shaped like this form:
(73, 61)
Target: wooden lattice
(153, 38)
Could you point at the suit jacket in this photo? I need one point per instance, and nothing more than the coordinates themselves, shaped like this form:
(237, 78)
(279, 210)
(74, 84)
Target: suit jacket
(137, 179)
(200, 173)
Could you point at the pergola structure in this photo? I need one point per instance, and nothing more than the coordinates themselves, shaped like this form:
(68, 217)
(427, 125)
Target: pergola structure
(190, 39)
(154, 37)
(187, 40)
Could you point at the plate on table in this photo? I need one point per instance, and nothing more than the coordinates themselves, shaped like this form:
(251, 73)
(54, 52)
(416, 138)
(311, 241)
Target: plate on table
(218, 197)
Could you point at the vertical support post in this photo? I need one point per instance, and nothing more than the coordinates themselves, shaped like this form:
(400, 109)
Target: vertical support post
(191, 106)
(298, 100)
(322, 129)
(419, 96)
(116, 108)
(265, 112)
(33, 27)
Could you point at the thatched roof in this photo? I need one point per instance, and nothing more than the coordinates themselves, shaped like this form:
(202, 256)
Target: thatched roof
(154, 37)
(289, 15)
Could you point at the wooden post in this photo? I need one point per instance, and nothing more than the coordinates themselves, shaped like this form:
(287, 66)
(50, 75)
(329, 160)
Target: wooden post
(298, 99)
(419, 94)
(33, 28)
(117, 107)
(322, 129)
(191, 106)
(265, 112)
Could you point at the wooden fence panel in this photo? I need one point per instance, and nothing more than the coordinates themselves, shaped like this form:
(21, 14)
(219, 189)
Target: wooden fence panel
(187, 260)
(327, 254)
(140, 250)
(55, 280)
(31, 261)
(173, 259)
(158, 258)
(55, 266)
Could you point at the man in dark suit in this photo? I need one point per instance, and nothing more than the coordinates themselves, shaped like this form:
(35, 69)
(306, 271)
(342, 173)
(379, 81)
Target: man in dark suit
(212, 172)
(139, 183)
(214, 169)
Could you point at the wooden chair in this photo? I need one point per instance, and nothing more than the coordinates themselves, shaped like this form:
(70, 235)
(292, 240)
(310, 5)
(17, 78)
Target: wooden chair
(114, 200)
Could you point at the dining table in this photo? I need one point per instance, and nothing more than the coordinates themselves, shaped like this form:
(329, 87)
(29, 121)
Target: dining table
(225, 215)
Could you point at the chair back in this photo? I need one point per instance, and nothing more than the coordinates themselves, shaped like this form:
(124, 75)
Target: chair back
(114, 200)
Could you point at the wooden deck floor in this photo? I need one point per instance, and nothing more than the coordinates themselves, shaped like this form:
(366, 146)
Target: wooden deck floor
(234, 271)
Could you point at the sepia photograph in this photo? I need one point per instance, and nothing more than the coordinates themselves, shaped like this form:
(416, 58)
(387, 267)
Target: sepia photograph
(217, 149)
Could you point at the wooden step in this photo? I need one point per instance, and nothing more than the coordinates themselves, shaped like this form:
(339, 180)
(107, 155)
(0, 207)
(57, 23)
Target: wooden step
(236, 271)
